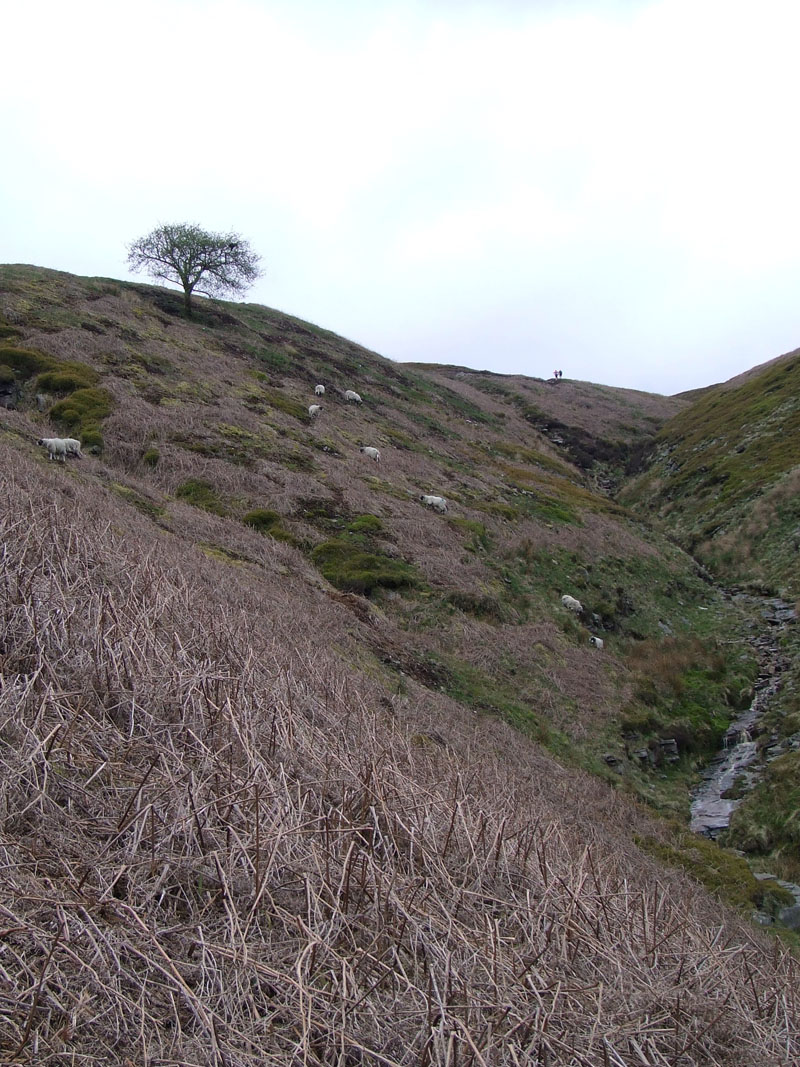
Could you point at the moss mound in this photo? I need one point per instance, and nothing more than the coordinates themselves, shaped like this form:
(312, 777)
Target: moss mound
(24, 362)
(353, 568)
(201, 494)
(268, 522)
(67, 378)
(81, 412)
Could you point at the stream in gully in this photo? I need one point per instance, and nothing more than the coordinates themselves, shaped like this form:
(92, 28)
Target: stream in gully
(711, 809)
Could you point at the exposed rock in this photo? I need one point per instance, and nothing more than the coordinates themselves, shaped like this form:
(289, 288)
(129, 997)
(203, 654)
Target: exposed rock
(668, 749)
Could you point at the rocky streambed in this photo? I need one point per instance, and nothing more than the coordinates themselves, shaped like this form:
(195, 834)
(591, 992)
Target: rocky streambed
(741, 759)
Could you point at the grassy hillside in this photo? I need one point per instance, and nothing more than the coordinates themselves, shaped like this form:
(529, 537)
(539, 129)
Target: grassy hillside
(725, 476)
(296, 770)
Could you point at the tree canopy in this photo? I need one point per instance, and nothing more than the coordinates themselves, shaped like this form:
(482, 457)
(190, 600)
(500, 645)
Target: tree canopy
(186, 255)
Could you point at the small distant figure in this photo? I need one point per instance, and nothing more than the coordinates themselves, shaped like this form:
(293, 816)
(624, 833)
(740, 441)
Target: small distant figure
(559, 374)
(555, 374)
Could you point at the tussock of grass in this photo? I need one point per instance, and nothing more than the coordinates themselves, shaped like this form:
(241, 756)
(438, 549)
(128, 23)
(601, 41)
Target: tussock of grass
(481, 605)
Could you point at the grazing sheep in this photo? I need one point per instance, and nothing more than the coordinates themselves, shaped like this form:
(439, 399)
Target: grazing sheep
(314, 410)
(57, 447)
(596, 641)
(319, 390)
(438, 503)
(350, 395)
(571, 604)
(73, 447)
(373, 453)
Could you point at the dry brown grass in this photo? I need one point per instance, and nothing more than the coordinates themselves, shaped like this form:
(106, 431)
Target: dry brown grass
(222, 845)
(666, 662)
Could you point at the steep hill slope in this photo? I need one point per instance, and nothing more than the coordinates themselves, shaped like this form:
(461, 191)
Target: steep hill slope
(275, 737)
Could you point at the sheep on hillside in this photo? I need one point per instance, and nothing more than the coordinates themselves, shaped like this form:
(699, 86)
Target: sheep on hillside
(373, 453)
(571, 604)
(596, 641)
(438, 503)
(319, 390)
(60, 447)
(350, 395)
(314, 410)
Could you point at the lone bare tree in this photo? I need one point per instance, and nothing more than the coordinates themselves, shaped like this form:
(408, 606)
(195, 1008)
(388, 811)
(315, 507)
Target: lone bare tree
(186, 255)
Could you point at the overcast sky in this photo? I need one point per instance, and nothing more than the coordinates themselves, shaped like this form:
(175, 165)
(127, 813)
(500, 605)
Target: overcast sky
(607, 187)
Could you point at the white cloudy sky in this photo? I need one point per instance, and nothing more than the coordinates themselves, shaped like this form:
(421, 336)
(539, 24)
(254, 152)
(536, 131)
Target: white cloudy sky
(610, 187)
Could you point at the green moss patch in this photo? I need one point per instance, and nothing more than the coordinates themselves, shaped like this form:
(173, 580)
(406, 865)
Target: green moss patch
(354, 569)
(67, 378)
(487, 693)
(24, 362)
(268, 522)
(223, 555)
(201, 494)
(142, 503)
(81, 412)
(479, 539)
(285, 404)
(721, 871)
(366, 524)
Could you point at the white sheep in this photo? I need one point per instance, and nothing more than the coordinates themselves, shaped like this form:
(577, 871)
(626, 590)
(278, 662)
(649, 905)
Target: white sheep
(319, 390)
(596, 641)
(571, 604)
(350, 395)
(314, 410)
(56, 447)
(373, 453)
(73, 447)
(438, 503)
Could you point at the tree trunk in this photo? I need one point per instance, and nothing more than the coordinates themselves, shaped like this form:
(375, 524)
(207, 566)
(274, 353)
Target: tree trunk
(187, 300)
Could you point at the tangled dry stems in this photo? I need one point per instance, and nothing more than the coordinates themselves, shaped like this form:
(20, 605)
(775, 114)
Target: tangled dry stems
(219, 847)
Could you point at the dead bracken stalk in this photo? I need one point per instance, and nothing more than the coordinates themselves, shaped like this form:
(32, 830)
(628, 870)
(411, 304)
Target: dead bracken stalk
(217, 848)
